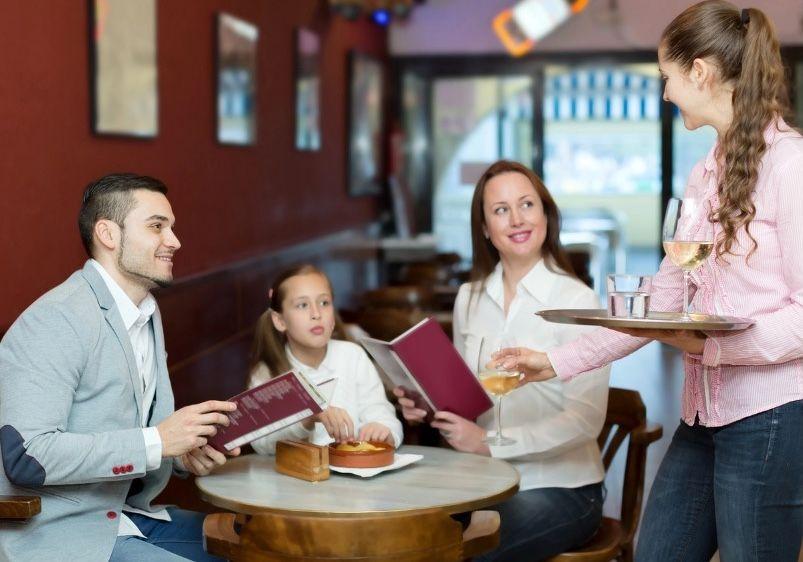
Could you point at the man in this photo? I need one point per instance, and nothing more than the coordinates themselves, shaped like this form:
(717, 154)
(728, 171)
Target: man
(86, 409)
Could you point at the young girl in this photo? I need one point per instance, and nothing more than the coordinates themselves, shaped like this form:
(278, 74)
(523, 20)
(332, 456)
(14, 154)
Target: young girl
(296, 333)
(733, 475)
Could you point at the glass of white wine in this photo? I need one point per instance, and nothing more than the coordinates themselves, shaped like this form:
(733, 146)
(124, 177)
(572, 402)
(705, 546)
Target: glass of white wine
(688, 239)
(497, 382)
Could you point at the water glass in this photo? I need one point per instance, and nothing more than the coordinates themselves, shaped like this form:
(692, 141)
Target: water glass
(629, 295)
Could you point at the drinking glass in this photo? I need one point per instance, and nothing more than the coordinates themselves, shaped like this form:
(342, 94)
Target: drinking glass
(688, 238)
(497, 382)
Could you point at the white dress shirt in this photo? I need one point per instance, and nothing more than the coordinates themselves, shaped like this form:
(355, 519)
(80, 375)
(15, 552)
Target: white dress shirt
(358, 390)
(137, 321)
(555, 423)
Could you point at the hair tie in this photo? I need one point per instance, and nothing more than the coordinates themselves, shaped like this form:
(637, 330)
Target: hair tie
(745, 16)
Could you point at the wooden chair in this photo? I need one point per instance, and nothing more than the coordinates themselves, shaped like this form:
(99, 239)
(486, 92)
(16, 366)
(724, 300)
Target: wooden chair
(626, 416)
(404, 297)
(421, 537)
(19, 508)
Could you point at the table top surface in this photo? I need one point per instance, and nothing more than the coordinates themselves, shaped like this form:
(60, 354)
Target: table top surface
(456, 482)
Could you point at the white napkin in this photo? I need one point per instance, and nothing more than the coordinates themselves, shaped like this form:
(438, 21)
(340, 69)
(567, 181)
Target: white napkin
(399, 461)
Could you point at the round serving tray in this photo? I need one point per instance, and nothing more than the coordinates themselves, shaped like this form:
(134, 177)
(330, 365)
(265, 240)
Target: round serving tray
(654, 320)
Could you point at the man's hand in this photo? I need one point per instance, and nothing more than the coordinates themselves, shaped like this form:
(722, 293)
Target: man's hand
(337, 422)
(462, 434)
(410, 413)
(376, 432)
(189, 427)
(203, 460)
(534, 365)
(690, 341)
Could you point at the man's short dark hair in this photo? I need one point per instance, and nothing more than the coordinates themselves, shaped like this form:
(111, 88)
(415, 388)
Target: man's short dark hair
(110, 197)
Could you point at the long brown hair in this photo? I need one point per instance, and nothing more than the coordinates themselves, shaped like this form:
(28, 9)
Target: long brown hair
(485, 256)
(269, 343)
(746, 52)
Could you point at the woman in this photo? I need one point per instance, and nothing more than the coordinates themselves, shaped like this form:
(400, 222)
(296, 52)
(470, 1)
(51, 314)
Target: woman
(733, 475)
(519, 268)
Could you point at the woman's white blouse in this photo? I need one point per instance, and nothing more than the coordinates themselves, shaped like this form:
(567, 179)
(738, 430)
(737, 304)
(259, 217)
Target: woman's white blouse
(555, 423)
(358, 390)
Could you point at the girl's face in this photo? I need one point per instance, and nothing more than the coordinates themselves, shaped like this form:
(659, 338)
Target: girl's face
(687, 90)
(515, 221)
(307, 317)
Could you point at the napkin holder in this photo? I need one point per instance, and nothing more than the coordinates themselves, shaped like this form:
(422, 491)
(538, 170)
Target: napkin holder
(303, 460)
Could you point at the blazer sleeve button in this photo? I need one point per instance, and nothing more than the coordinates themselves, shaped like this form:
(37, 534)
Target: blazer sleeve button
(111, 515)
(116, 470)
(129, 468)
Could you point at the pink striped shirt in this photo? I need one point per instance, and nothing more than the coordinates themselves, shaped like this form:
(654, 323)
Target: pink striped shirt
(739, 373)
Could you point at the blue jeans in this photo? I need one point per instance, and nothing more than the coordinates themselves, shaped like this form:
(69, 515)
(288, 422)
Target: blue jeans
(543, 522)
(738, 488)
(166, 541)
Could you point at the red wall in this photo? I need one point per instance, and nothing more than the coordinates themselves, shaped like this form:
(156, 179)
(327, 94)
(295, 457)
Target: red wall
(230, 202)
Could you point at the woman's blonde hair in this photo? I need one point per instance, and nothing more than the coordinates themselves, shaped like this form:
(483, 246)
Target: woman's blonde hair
(745, 49)
(269, 343)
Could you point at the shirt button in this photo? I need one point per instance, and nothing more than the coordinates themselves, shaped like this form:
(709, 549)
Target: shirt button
(116, 470)
(129, 468)
(111, 515)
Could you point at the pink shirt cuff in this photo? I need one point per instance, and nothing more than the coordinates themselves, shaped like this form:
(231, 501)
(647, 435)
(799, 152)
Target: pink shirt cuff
(712, 352)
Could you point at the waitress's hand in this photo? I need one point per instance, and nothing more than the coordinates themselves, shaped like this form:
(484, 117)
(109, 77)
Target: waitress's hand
(690, 341)
(463, 435)
(534, 365)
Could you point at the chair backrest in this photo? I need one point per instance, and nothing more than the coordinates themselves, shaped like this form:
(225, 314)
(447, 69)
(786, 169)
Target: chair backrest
(408, 297)
(386, 323)
(627, 417)
(419, 537)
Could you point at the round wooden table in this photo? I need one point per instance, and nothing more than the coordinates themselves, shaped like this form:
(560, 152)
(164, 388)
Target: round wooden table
(455, 482)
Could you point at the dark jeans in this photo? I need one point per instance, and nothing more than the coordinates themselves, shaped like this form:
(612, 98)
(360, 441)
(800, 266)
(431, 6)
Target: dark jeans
(540, 523)
(738, 488)
(166, 541)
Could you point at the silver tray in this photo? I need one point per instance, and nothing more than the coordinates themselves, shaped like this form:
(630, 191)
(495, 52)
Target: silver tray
(654, 320)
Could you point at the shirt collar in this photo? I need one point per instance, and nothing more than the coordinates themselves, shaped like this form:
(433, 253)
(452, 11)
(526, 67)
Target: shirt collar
(130, 313)
(325, 366)
(537, 282)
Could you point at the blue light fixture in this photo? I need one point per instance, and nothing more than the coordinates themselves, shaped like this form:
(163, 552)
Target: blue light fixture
(381, 16)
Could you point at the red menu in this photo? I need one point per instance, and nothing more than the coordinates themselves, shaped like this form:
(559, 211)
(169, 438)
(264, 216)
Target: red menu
(269, 407)
(426, 365)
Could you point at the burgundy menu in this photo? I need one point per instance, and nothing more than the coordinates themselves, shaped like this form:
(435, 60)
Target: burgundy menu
(427, 366)
(269, 407)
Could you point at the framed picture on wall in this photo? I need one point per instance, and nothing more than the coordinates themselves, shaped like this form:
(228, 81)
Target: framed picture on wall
(366, 121)
(124, 98)
(308, 95)
(236, 80)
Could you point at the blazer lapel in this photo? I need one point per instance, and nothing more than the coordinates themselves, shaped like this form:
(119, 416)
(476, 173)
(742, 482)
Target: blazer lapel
(163, 397)
(106, 302)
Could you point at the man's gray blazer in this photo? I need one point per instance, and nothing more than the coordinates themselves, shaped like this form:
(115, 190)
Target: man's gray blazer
(70, 422)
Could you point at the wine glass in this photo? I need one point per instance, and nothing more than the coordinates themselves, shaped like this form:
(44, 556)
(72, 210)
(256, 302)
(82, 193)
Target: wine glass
(688, 238)
(497, 381)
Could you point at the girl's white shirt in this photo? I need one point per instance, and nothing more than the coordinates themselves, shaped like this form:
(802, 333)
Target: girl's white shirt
(555, 423)
(357, 389)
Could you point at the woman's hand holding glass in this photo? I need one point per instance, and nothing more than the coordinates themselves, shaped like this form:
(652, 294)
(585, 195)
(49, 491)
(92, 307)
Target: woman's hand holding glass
(533, 365)
(497, 380)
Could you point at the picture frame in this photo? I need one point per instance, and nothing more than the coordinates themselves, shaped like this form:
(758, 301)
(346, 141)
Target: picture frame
(307, 89)
(366, 124)
(236, 64)
(123, 68)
